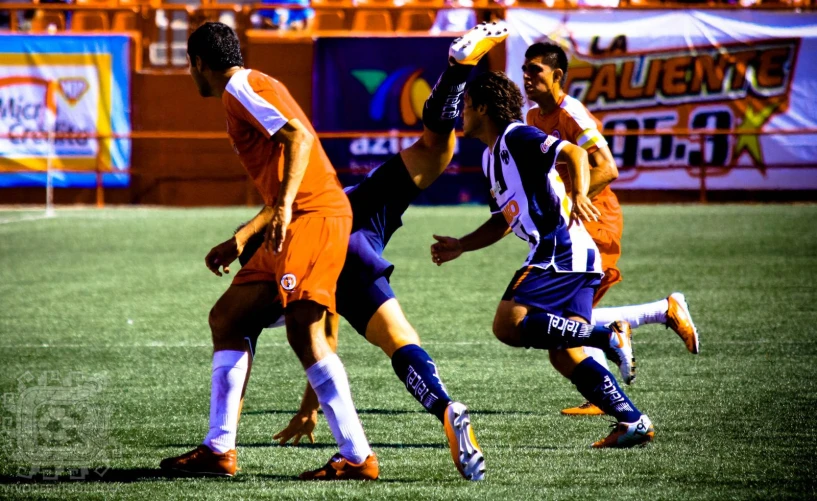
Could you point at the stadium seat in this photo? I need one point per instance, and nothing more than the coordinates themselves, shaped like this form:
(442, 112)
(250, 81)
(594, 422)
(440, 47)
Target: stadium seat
(44, 18)
(330, 20)
(89, 20)
(372, 20)
(125, 21)
(415, 20)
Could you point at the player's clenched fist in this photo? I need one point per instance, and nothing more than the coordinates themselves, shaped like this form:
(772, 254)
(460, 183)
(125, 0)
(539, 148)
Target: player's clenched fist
(301, 425)
(445, 249)
(222, 255)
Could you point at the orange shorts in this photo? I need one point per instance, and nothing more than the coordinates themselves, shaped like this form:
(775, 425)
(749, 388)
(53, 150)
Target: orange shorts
(606, 233)
(309, 265)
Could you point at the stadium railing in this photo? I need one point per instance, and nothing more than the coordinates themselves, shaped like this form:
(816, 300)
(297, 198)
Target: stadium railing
(703, 170)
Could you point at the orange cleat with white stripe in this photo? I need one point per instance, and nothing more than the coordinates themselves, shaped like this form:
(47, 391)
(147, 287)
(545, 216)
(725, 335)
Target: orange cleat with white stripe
(465, 450)
(203, 461)
(680, 320)
(340, 468)
(620, 351)
(626, 435)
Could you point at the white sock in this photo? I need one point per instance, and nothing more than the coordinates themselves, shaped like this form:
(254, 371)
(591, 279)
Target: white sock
(328, 379)
(637, 314)
(229, 373)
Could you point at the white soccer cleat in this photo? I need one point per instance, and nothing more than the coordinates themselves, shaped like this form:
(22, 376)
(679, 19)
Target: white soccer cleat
(628, 434)
(620, 351)
(470, 48)
(465, 450)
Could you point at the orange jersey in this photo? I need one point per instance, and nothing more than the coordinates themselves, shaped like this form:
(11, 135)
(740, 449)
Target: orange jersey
(572, 122)
(257, 107)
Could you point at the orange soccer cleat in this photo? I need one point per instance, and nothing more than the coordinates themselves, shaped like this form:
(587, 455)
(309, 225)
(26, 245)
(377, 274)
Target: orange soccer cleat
(680, 320)
(628, 434)
(585, 409)
(465, 450)
(203, 461)
(339, 468)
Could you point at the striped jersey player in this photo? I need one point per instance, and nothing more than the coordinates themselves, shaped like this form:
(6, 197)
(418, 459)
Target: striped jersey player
(548, 303)
(560, 115)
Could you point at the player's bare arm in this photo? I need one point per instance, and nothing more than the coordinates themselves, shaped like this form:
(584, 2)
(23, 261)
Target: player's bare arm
(450, 248)
(220, 257)
(297, 142)
(578, 167)
(604, 170)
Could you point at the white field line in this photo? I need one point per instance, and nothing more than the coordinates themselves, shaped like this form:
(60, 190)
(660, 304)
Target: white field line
(25, 218)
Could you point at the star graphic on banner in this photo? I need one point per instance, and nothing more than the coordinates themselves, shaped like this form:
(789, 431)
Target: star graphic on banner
(753, 121)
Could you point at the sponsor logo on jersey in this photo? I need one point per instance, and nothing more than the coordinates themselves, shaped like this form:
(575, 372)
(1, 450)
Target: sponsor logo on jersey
(288, 282)
(505, 156)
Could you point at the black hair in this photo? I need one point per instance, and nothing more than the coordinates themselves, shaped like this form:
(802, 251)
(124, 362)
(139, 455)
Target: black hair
(217, 45)
(498, 92)
(552, 55)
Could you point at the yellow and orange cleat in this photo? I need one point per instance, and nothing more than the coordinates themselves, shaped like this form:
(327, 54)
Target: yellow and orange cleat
(203, 461)
(680, 320)
(585, 409)
(628, 434)
(465, 450)
(470, 48)
(620, 351)
(339, 468)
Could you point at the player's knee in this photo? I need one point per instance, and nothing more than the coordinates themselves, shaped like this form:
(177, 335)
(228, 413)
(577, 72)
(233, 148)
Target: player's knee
(219, 325)
(507, 331)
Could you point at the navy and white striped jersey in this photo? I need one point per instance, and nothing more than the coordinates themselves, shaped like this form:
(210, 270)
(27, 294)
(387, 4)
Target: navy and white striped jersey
(528, 191)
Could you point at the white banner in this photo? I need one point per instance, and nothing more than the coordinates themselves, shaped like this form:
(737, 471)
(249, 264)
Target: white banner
(642, 71)
(57, 86)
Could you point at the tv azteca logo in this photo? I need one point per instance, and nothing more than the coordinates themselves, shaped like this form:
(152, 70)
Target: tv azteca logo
(727, 86)
(403, 91)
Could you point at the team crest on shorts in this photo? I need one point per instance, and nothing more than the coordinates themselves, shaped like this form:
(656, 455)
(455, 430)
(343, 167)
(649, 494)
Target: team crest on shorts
(288, 282)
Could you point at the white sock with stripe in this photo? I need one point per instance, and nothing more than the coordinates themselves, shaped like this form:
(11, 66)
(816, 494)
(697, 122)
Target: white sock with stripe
(636, 315)
(328, 379)
(229, 373)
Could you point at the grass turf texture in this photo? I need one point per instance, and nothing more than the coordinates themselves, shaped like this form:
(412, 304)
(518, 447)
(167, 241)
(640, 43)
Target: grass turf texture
(736, 422)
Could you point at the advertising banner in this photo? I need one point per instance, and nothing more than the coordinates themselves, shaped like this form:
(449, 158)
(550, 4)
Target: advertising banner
(685, 71)
(380, 85)
(62, 85)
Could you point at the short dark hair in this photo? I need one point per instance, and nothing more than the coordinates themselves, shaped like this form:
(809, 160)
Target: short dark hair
(217, 45)
(498, 92)
(552, 55)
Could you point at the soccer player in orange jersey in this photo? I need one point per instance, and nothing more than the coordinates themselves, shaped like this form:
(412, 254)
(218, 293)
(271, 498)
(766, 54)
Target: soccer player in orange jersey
(307, 219)
(560, 115)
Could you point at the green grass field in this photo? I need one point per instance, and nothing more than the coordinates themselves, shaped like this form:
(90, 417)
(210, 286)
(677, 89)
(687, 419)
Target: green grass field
(123, 295)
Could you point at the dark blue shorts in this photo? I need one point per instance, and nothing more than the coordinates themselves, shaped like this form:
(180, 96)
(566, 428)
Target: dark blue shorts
(378, 203)
(563, 294)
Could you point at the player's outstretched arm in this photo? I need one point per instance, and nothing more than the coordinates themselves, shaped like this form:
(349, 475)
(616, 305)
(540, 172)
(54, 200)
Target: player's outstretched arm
(578, 168)
(297, 141)
(450, 248)
(604, 170)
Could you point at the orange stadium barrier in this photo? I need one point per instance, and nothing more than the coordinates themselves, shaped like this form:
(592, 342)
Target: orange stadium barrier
(703, 170)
